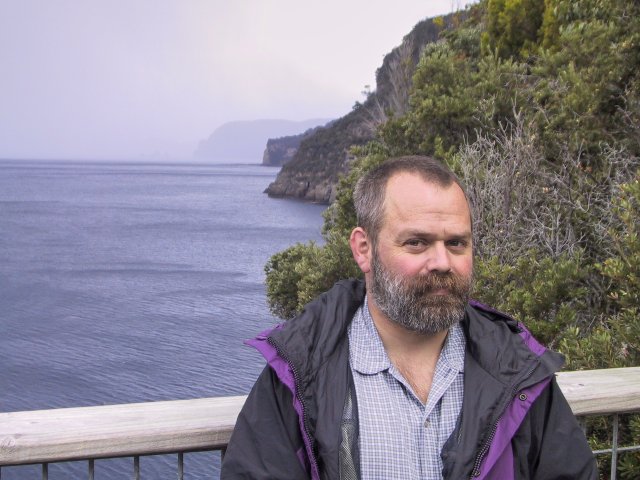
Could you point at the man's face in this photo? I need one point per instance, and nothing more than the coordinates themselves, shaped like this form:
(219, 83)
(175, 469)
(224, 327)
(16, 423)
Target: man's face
(422, 263)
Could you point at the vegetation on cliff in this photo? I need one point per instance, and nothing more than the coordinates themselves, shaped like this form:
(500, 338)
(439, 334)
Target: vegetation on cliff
(536, 106)
(314, 171)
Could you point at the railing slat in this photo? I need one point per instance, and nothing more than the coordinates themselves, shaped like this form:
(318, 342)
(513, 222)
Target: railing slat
(614, 447)
(136, 467)
(630, 448)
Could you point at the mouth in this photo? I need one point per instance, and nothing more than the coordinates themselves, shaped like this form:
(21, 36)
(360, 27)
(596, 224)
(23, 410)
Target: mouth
(439, 292)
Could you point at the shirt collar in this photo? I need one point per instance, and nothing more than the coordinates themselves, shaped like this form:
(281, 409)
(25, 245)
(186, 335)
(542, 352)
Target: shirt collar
(453, 349)
(367, 352)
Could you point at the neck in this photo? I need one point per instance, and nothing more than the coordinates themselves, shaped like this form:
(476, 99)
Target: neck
(414, 354)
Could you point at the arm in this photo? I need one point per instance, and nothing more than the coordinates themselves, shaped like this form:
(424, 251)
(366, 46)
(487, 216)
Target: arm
(266, 441)
(558, 449)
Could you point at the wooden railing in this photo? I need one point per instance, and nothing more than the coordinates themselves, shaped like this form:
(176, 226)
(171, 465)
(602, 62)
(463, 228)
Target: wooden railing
(127, 430)
(131, 430)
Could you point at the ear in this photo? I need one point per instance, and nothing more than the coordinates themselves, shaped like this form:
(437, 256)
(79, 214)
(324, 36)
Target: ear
(361, 249)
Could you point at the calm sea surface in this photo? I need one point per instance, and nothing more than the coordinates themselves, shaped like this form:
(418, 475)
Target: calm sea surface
(135, 282)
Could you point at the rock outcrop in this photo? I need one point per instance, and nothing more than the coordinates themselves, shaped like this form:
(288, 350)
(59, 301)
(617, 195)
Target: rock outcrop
(313, 172)
(282, 150)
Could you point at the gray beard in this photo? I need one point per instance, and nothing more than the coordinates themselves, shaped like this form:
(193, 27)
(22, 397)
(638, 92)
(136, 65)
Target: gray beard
(407, 301)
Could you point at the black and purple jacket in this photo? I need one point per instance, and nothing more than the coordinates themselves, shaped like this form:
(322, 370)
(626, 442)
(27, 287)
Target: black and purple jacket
(300, 419)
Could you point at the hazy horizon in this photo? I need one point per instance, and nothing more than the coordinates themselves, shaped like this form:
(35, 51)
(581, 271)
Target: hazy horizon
(148, 80)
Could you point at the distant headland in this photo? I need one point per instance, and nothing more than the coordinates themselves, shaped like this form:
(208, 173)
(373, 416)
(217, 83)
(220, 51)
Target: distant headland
(245, 141)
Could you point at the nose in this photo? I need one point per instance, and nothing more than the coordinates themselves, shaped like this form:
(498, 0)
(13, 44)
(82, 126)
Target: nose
(438, 258)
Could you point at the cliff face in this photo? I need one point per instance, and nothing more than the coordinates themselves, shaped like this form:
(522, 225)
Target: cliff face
(312, 174)
(282, 150)
(279, 152)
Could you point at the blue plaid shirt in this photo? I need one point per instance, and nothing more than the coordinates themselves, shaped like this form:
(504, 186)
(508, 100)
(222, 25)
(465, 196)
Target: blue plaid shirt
(400, 437)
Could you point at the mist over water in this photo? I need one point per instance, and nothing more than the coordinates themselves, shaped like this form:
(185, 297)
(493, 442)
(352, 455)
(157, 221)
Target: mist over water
(135, 282)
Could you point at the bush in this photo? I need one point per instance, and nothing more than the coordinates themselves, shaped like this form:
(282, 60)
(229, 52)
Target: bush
(543, 128)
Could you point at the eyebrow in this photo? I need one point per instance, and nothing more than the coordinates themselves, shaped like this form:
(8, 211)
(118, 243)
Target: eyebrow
(465, 235)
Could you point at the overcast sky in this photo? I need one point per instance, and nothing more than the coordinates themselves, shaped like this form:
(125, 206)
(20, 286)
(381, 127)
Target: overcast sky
(127, 79)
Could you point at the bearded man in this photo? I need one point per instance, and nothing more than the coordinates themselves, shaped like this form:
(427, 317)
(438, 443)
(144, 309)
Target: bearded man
(402, 377)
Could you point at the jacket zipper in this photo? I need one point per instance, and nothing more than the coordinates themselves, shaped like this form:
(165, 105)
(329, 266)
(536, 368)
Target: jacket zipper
(281, 354)
(494, 427)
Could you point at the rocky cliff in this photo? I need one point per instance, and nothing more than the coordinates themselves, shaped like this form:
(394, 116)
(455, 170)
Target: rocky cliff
(313, 172)
(282, 150)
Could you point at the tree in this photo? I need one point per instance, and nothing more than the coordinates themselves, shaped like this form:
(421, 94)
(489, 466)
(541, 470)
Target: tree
(513, 27)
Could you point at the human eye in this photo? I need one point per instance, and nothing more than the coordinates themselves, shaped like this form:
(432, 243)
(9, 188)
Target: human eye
(415, 243)
(458, 243)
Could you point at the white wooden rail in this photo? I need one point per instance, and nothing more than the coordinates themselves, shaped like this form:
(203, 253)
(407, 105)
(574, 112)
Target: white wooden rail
(126, 430)
(602, 392)
(130, 430)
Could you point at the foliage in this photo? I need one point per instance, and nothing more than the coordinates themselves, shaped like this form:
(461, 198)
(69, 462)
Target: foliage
(513, 26)
(615, 340)
(340, 217)
(535, 104)
(584, 84)
(298, 274)
(624, 267)
(283, 277)
(546, 294)
(630, 463)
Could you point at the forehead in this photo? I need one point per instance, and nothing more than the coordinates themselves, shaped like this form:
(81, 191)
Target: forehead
(408, 197)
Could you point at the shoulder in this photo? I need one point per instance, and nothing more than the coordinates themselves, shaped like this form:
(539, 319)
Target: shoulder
(320, 330)
(331, 310)
(481, 313)
(491, 333)
(484, 321)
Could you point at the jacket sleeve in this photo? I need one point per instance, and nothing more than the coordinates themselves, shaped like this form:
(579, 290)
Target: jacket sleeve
(266, 441)
(558, 448)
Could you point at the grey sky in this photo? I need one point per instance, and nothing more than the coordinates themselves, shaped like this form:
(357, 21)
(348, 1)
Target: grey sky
(116, 79)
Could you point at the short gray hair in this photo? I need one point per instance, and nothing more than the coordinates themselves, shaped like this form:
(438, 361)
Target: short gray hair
(369, 192)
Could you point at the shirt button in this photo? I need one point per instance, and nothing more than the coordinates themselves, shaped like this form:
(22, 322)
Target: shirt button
(426, 423)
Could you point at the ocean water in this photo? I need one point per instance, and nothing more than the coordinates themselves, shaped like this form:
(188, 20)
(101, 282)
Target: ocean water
(135, 282)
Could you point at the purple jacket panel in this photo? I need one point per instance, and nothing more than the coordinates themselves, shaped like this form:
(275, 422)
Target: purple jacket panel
(486, 308)
(498, 463)
(285, 375)
(536, 347)
(504, 468)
